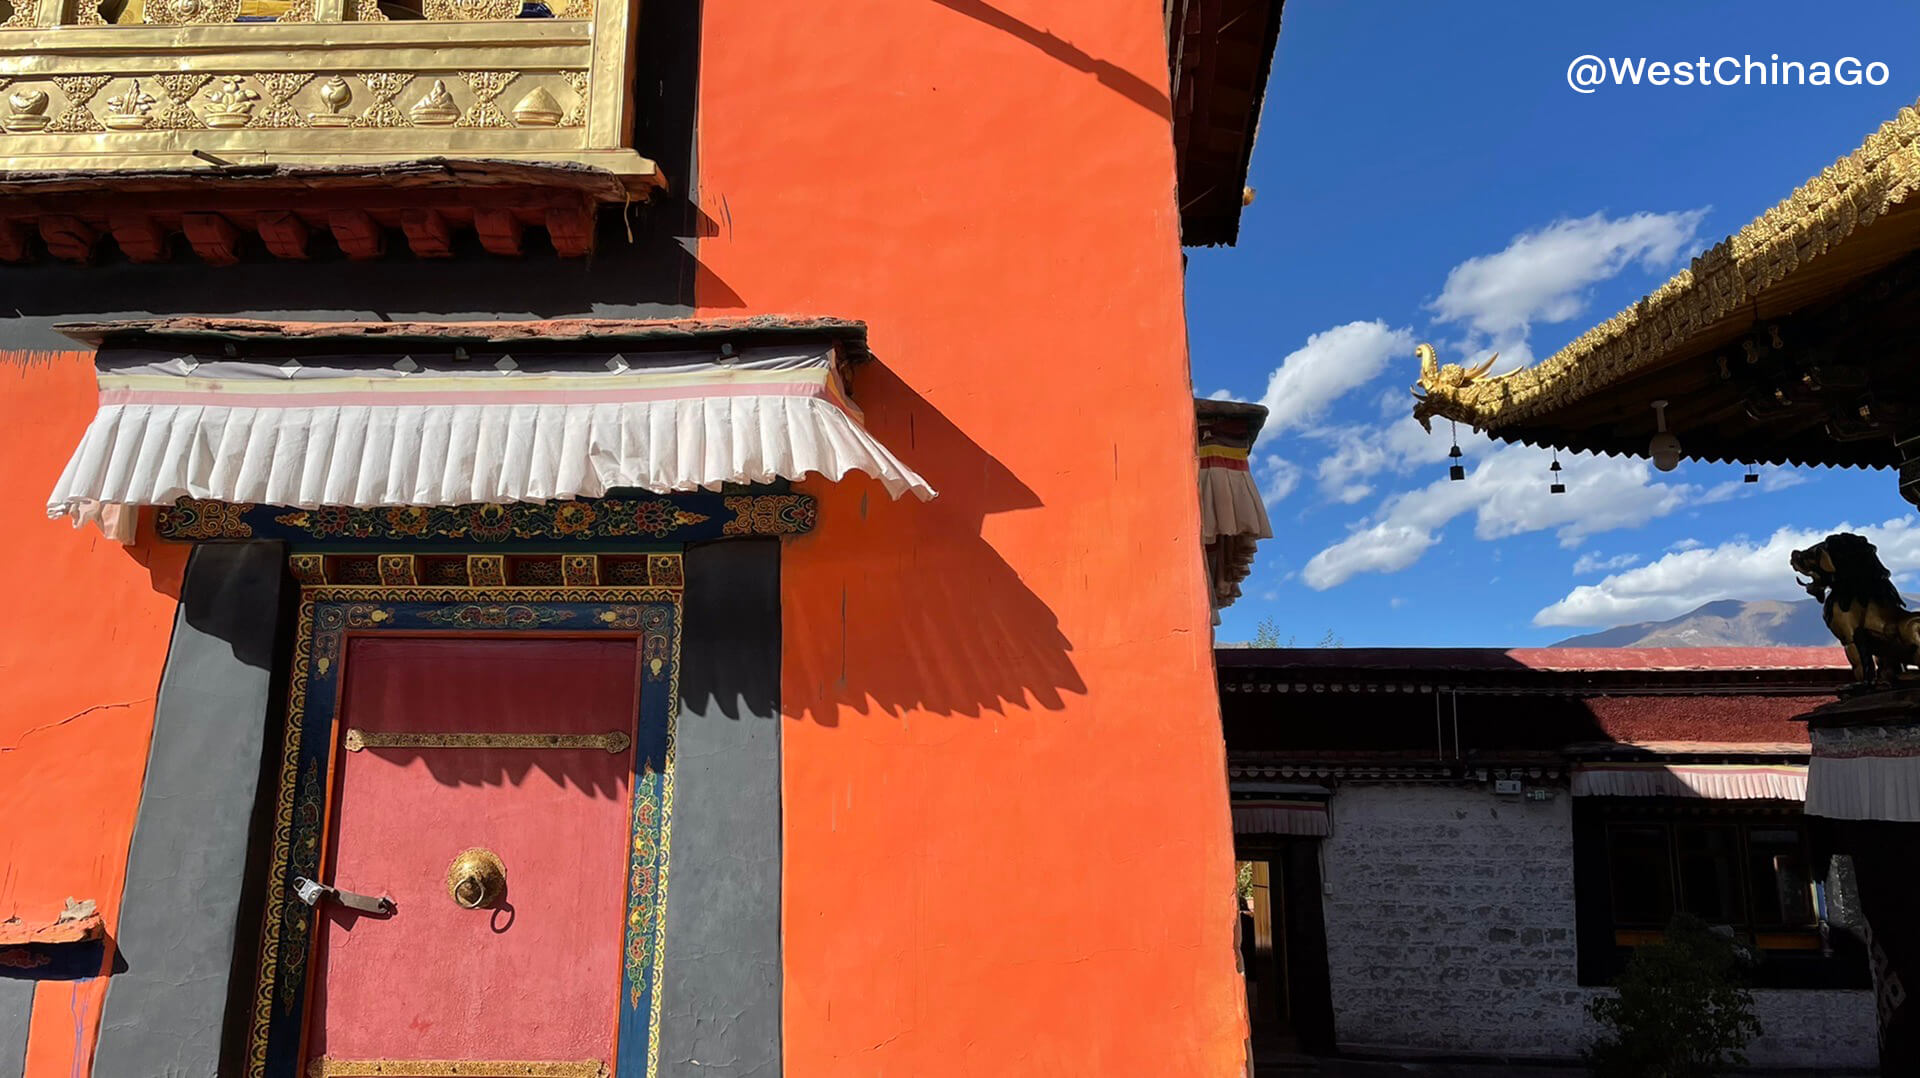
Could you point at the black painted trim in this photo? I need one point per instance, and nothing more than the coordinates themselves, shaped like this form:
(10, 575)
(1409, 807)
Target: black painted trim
(180, 926)
(16, 1015)
(721, 1001)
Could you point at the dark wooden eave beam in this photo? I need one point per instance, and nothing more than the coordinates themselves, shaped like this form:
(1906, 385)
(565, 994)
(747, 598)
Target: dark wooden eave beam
(284, 234)
(69, 238)
(214, 238)
(141, 238)
(499, 231)
(359, 236)
(14, 244)
(427, 233)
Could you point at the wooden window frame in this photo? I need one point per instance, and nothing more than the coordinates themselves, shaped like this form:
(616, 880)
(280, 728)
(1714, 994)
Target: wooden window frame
(1791, 956)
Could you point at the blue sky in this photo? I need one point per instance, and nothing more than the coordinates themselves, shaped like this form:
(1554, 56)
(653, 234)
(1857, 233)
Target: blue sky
(1424, 173)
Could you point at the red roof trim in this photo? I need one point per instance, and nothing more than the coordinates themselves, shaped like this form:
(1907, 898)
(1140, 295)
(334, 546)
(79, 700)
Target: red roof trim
(1494, 660)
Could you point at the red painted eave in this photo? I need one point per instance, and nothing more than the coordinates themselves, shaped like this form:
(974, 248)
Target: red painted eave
(1401, 662)
(850, 333)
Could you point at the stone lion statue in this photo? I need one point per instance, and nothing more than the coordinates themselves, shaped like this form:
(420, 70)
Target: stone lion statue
(1861, 606)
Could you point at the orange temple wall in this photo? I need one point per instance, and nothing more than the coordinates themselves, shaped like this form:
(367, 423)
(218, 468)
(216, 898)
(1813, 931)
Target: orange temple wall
(1006, 844)
(82, 642)
(1007, 849)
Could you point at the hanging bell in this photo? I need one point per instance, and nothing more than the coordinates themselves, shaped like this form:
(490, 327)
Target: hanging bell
(1555, 486)
(1456, 470)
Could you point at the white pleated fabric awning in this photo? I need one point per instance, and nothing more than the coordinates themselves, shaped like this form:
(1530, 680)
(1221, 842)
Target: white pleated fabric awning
(1307, 818)
(1869, 771)
(366, 431)
(1281, 808)
(1719, 782)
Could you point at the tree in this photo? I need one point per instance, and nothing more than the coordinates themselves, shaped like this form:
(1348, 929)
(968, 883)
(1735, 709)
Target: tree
(1266, 634)
(1679, 1011)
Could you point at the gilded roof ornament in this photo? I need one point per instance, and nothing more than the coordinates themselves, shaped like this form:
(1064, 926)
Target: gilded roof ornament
(1441, 386)
(1823, 215)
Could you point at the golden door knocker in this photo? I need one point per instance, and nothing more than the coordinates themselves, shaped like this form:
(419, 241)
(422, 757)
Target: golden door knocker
(477, 879)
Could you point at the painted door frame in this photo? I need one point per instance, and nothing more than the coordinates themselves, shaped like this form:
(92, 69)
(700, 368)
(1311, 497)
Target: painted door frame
(328, 616)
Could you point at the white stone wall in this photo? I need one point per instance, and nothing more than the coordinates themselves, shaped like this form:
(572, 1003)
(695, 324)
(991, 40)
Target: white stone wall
(1450, 930)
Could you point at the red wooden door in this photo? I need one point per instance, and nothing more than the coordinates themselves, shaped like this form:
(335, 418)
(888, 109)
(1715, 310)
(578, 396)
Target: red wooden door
(537, 977)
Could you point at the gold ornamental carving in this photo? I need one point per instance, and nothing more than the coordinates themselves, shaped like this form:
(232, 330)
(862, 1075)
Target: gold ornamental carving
(436, 109)
(486, 85)
(336, 94)
(79, 117)
(454, 1068)
(538, 109)
(231, 104)
(129, 110)
(180, 86)
(471, 10)
(187, 12)
(612, 741)
(279, 88)
(577, 81)
(477, 879)
(385, 86)
(27, 111)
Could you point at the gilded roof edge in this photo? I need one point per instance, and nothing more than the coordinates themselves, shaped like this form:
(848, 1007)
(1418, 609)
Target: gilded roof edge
(1843, 199)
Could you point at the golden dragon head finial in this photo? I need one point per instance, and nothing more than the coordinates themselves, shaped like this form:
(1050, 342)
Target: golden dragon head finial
(1443, 382)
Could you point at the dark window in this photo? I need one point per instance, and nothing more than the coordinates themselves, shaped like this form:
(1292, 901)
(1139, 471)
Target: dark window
(1743, 865)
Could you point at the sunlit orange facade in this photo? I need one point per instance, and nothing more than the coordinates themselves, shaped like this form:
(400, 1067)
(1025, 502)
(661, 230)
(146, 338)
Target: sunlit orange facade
(996, 839)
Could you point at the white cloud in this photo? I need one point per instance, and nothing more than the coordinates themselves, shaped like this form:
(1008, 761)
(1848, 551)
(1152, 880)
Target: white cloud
(1737, 569)
(1542, 276)
(1331, 363)
(1507, 495)
(1278, 477)
(1594, 563)
(1780, 479)
(1220, 395)
(1688, 543)
(1356, 455)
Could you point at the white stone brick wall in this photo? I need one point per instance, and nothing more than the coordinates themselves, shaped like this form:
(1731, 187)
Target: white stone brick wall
(1450, 930)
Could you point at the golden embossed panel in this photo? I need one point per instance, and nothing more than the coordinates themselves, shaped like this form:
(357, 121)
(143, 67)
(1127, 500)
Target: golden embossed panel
(317, 85)
(361, 740)
(464, 1068)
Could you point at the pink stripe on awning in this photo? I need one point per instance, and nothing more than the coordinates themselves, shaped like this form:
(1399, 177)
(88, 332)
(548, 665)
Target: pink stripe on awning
(1720, 782)
(530, 391)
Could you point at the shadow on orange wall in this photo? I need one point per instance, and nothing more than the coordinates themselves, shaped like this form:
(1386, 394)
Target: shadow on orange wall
(1013, 655)
(1127, 84)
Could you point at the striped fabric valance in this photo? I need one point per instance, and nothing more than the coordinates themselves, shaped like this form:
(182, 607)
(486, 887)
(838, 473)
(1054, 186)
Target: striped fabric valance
(366, 431)
(1722, 782)
(1233, 516)
(1281, 816)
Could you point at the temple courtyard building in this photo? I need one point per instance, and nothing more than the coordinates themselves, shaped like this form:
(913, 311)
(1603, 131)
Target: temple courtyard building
(1447, 853)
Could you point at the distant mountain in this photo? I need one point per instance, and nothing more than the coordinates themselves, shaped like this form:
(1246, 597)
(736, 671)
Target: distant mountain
(1721, 624)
